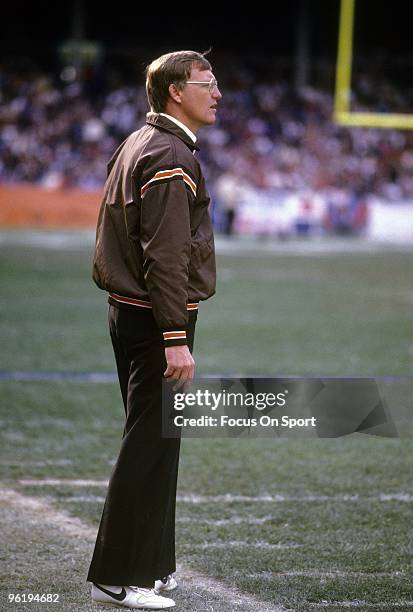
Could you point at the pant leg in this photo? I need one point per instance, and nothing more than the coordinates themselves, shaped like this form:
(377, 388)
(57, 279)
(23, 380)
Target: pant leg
(123, 363)
(136, 539)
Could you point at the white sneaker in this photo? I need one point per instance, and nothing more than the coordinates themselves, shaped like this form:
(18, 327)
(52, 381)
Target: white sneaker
(130, 597)
(165, 584)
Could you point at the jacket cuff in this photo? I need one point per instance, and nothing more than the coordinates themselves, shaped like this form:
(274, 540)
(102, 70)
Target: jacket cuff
(174, 337)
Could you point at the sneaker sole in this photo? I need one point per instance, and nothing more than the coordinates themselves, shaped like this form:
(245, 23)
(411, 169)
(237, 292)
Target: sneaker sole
(108, 604)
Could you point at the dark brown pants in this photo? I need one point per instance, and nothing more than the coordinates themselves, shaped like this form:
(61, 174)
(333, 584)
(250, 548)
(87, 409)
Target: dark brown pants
(136, 540)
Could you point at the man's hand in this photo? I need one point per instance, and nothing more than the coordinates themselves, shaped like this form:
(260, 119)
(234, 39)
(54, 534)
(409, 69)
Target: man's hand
(181, 364)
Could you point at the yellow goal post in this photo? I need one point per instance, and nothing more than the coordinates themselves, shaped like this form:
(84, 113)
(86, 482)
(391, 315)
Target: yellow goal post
(342, 110)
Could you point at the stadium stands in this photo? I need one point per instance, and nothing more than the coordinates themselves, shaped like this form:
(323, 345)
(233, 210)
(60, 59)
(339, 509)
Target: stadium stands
(274, 159)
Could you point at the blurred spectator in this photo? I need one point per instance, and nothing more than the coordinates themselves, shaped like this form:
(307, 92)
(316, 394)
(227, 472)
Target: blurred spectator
(346, 212)
(230, 190)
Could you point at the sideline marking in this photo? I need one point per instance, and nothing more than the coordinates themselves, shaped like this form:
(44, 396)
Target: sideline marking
(251, 246)
(44, 375)
(228, 498)
(39, 511)
(109, 377)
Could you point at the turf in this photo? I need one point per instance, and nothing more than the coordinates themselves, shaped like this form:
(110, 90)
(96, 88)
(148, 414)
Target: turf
(327, 532)
(273, 313)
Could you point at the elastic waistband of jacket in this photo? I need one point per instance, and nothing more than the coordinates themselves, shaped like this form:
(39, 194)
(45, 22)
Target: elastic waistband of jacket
(143, 303)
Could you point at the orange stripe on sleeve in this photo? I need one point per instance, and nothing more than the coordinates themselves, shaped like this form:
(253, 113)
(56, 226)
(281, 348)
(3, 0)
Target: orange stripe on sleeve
(168, 174)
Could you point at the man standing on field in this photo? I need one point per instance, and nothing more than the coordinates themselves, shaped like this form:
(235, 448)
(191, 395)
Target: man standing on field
(155, 256)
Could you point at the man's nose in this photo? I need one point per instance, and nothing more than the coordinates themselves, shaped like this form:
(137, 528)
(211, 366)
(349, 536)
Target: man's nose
(217, 95)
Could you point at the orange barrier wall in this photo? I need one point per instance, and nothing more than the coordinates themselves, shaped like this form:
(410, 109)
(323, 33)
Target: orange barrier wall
(32, 206)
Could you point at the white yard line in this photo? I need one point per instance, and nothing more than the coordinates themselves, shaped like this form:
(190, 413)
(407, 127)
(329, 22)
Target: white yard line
(233, 520)
(327, 574)
(34, 511)
(82, 499)
(229, 498)
(57, 482)
(359, 602)
(241, 544)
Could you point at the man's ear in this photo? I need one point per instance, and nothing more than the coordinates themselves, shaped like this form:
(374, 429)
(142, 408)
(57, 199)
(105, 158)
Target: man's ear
(175, 93)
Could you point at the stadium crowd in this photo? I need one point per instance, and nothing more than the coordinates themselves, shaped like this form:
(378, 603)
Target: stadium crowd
(271, 146)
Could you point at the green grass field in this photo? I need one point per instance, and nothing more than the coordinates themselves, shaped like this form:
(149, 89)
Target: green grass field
(298, 524)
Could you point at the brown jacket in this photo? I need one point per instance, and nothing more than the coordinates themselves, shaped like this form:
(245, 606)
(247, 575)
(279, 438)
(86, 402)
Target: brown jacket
(154, 240)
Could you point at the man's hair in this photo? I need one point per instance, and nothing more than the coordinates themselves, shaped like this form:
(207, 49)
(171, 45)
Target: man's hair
(171, 68)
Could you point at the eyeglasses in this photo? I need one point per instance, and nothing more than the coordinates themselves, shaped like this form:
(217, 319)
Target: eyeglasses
(210, 84)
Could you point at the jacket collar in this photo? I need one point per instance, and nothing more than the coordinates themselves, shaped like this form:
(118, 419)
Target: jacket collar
(181, 125)
(166, 124)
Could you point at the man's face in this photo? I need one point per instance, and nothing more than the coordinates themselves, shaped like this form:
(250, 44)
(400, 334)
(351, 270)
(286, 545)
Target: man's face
(198, 103)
